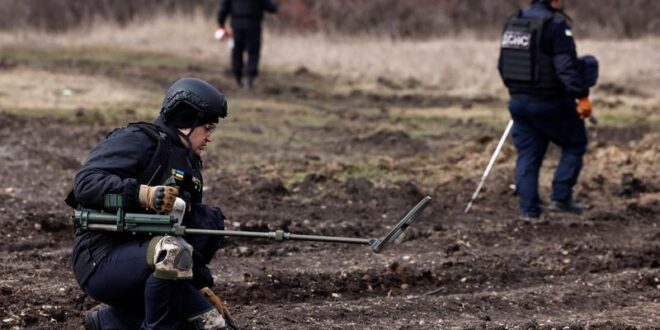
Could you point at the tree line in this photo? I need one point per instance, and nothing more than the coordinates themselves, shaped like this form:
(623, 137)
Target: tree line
(397, 19)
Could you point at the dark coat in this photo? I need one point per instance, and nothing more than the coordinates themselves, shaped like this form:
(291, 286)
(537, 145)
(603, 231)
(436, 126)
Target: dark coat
(245, 13)
(558, 43)
(118, 165)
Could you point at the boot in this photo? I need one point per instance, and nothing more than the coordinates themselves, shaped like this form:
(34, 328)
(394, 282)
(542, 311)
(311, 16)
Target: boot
(566, 207)
(532, 218)
(92, 320)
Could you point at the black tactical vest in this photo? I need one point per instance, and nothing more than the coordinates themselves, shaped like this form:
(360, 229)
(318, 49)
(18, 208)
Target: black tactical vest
(168, 161)
(523, 65)
(172, 161)
(187, 173)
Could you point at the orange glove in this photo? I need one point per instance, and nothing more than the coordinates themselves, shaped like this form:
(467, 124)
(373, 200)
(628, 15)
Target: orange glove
(584, 107)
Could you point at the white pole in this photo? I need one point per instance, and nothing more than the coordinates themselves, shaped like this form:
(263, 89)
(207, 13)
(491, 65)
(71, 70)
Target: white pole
(490, 165)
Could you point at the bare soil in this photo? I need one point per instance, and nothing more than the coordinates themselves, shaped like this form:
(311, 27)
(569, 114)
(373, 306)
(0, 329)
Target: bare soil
(483, 270)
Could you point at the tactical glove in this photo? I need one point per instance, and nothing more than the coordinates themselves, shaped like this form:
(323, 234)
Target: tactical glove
(158, 198)
(584, 107)
(220, 306)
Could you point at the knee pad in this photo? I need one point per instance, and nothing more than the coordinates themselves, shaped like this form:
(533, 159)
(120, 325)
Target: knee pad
(211, 319)
(170, 257)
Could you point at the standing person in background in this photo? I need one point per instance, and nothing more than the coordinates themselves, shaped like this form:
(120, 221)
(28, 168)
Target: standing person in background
(539, 65)
(246, 17)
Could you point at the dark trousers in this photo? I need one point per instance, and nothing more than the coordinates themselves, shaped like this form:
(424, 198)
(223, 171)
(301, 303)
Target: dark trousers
(137, 299)
(536, 123)
(246, 38)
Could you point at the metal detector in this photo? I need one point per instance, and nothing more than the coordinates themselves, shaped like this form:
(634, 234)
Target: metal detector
(157, 224)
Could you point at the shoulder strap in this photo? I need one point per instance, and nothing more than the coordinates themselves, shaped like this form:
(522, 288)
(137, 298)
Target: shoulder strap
(159, 162)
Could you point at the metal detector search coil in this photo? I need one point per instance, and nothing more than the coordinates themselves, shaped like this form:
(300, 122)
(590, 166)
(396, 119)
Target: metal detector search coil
(378, 246)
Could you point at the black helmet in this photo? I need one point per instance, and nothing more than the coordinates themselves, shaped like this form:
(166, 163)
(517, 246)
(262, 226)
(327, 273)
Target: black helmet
(588, 69)
(193, 94)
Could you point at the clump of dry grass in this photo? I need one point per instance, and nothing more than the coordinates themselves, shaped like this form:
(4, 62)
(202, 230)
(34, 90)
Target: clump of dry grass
(465, 66)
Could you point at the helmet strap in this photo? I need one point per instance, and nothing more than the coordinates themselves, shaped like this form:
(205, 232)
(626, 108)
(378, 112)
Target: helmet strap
(185, 134)
(198, 118)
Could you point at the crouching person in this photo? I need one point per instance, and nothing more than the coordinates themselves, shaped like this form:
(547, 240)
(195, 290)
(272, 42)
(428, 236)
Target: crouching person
(151, 282)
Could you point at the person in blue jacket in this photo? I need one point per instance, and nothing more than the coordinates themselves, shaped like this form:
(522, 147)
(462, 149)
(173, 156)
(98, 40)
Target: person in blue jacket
(246, 17)
(132, 274)
(539, 65)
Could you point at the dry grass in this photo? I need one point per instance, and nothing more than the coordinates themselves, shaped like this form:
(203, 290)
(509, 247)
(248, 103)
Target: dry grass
(28, 89)
(458, 66)
(454, 66)
(464, 66)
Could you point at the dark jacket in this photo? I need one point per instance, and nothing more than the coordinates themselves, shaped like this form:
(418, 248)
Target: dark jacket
(127, 158)
(557, 42)
(119, 164)
(245, 13)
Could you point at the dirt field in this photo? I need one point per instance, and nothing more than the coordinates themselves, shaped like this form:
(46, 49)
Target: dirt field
(316, 154)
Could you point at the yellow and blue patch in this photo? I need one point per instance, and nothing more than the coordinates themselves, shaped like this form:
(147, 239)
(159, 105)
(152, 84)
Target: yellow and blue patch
(178, 174)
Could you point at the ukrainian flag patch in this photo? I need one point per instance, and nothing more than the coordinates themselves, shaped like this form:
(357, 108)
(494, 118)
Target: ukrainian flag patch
(178, 174)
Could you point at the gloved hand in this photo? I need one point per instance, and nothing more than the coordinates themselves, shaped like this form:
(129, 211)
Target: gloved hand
(158, 198)
(221, 306)
(584, 107)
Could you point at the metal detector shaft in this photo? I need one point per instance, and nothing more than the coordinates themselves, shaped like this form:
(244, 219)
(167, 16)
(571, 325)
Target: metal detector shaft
(166, 225)
(490, 165)
(278, 235)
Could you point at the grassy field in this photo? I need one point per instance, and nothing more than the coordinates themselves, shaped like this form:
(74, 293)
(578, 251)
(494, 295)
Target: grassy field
(457, 65)
(36, 75)
(339, 137)
(108, 75)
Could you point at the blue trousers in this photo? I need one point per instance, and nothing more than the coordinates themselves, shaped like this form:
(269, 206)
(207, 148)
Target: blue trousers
(537, 122)
(137, 299)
